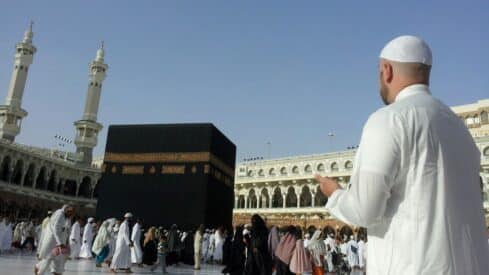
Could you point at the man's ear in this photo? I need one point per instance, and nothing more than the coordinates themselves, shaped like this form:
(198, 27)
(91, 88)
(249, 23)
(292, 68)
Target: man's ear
(388, 72)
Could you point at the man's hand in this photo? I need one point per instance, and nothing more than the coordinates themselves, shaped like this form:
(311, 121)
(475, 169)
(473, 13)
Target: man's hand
(327, 185)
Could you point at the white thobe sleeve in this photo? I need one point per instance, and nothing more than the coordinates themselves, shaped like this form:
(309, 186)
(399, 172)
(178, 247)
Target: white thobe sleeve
(85, 233)
(56, 226)
(376, 165)
(134, 232)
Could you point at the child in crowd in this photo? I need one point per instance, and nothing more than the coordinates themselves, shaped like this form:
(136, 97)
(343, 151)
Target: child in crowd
(162, 251)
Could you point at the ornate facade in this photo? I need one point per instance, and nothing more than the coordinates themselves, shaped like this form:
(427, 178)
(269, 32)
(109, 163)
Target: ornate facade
(285, 192)
(33, 179)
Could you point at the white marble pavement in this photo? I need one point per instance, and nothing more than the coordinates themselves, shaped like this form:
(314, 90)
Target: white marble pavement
(24, 265)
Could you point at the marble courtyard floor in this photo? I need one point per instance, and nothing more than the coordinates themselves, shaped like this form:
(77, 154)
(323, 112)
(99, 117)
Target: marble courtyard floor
(23, 265)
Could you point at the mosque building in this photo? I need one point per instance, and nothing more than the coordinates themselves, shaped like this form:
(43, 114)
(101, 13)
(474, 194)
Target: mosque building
(284, 190)
(33, 179)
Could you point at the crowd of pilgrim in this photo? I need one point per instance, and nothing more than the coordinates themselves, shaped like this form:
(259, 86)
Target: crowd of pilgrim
(117, 245)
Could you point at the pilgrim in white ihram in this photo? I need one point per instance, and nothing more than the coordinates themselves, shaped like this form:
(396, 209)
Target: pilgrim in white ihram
(415, 185)
(87, 240)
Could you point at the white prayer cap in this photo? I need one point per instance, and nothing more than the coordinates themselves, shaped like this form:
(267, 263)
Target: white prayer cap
(90, 220)
(128, 215)
(407, 49)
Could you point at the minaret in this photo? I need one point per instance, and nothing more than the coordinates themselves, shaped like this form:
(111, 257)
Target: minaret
(11, 114)
(87, 128)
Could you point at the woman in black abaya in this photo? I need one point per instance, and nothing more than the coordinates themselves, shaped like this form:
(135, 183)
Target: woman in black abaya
(259, 261)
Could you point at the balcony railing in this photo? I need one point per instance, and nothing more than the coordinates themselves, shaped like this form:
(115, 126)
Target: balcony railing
(292, 210)
(43, 194)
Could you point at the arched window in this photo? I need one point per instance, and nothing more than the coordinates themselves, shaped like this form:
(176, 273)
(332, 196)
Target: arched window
(5, 169)
(319, 198)
(485, 152)
(348, 165)
(250, 173)
(261, 173)
(306, 197)
(334, 167)
(271, 172)
(291, 198)
(85, 188)
(264, 199)
(41, 179)
(241, 202)
(308, 169)
(252, 201)
(295, 170)
(29, 176)
(277, 200)
(52, 181)
(283, 171)
(18, 170)
(320, 167)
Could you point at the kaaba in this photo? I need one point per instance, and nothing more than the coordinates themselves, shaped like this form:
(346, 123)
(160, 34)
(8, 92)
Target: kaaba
(168, 174)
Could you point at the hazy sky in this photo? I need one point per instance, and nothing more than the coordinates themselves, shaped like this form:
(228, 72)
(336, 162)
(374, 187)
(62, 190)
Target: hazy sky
(288, 72)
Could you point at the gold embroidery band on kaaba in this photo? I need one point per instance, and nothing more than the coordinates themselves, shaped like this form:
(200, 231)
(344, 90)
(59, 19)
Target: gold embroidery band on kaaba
(133, 169)
(182, 157)
(173, 169)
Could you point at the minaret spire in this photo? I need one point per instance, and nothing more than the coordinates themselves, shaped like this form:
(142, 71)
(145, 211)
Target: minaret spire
(11, 114)
(87, 128)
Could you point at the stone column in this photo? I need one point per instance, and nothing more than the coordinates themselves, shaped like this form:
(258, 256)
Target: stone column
(236, 199)
(298, 196)
(24, 173)
(246, 202)
(77, 188)
(34, 178)
(270, 197)
(313, 198)
(284, 196)
(258, 202)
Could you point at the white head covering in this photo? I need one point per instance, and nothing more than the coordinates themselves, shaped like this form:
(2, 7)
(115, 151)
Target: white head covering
(90, 220)
(407, 49)
(317, 248)
(102, 238)
(128, 215)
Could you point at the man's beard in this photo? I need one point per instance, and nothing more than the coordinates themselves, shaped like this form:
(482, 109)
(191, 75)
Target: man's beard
(384, 91)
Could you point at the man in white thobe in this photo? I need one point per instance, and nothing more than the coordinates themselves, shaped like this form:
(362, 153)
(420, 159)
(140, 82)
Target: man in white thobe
(113, 230)
(122, 253)
(44, 225)
(55, 236)
(415, 184)
(3, 230)
(361, 254)
(330, 247)
(75, 240)
(136, 251)
(352, 254)
(205, 245)
(87, 240)
(7, 237)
